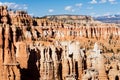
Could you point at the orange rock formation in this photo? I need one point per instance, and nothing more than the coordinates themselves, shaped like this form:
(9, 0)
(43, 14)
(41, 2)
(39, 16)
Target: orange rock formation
(45, 49)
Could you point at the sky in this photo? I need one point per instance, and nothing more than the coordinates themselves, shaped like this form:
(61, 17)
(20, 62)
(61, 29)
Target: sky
(40, 8)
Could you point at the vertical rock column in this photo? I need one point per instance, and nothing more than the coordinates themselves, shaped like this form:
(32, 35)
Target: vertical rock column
(46, 68)
(7, 54)
(49, 66)
(4, 15)
(89, 32)
(101, 68)
(42, 66)
(93, 32)
(99, 33)
(22, 54)
(13, 44)
(14, 68)
(1, 53)
(78, 65)
(14, 34)
(80, 68)
(103, 33)
(65, 67)
(55, 62)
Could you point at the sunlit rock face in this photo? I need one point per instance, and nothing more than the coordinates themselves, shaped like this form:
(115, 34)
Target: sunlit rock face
(45, 49)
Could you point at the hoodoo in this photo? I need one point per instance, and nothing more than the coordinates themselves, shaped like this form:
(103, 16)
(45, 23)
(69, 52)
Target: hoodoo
(57, 47)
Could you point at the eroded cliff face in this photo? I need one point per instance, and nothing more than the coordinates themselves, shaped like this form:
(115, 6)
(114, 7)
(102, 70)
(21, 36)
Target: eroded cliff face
(57, 51)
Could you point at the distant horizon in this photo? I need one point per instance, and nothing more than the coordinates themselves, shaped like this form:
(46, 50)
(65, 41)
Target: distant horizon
(42, 8)
(76, 15)
(62, 15)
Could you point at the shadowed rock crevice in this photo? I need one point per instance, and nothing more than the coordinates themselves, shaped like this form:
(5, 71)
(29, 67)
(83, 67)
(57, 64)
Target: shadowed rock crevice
(32, 72)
